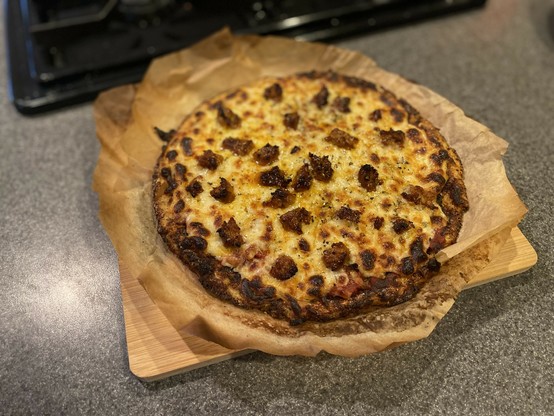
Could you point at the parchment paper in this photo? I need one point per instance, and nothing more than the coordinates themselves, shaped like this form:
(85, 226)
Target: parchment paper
(173, 86)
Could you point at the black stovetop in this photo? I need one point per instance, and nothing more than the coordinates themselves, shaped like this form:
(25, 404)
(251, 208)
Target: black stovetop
(63, 52)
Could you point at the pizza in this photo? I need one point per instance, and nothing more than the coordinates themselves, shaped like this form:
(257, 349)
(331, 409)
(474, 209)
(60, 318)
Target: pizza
(309, 197)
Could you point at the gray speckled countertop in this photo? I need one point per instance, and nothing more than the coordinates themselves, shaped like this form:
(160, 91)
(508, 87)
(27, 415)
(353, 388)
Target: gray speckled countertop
(62, 339)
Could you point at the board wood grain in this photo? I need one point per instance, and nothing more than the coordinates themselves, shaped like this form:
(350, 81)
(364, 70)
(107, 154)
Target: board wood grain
(157, 350)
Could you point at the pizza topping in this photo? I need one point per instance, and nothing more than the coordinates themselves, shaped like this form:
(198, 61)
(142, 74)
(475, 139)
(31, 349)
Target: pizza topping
(321, 167)
(186, 144)
(303, 179)
(400, 225)
(378, 222)
(368, 259)
(320, 99)
(195, 187)
(266, 155)
(193, 243)
(181, 170)
(209, 160)
(226, 117)
(240, 147)
(274, 92)
(171, 184)
(342, 104)
(335, 257)
(303, 244)
(274, 177)
(230, 234)
(375, 115)
(392, 137)
(342, 139)
(165, 136)
(293, 220)
(291, 120)
(283, 268)
(349, 214)
(224, 192)
(179, 206)
(280, 198)
(294, 150)
(368, 178)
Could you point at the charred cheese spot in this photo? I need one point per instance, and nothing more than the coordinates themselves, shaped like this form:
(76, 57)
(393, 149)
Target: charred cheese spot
(195, 187)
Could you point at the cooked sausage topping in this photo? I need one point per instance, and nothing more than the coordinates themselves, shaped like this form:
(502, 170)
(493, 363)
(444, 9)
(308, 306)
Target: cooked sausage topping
(368, 178)
(266, 155)
(291, 120)
(283, 268)
(293, 220)
(240, 147)
(224, 192)
(303, 179)
(321, 168)
(320, 99)
(280, 198)
(274, 177)
(226, 117)
(209, 160)
(349, 214)
(274, 92)
(342, 139)
(335, 257)
(230, 234)
(342, 104)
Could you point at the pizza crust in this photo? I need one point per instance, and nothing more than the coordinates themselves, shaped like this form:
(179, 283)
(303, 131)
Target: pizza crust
(125, 118)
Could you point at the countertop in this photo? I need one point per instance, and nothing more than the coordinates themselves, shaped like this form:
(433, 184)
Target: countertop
(62, 336)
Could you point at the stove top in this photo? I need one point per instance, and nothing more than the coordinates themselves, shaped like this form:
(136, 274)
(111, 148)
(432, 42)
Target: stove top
(62, 52)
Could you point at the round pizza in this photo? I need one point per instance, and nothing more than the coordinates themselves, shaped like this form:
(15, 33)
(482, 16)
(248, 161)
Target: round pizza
(310, 197)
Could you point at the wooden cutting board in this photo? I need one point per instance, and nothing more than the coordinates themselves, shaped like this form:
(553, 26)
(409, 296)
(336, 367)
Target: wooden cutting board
(156, 350)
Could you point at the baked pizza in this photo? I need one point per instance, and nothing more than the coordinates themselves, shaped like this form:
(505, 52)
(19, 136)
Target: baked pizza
(310, 197)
